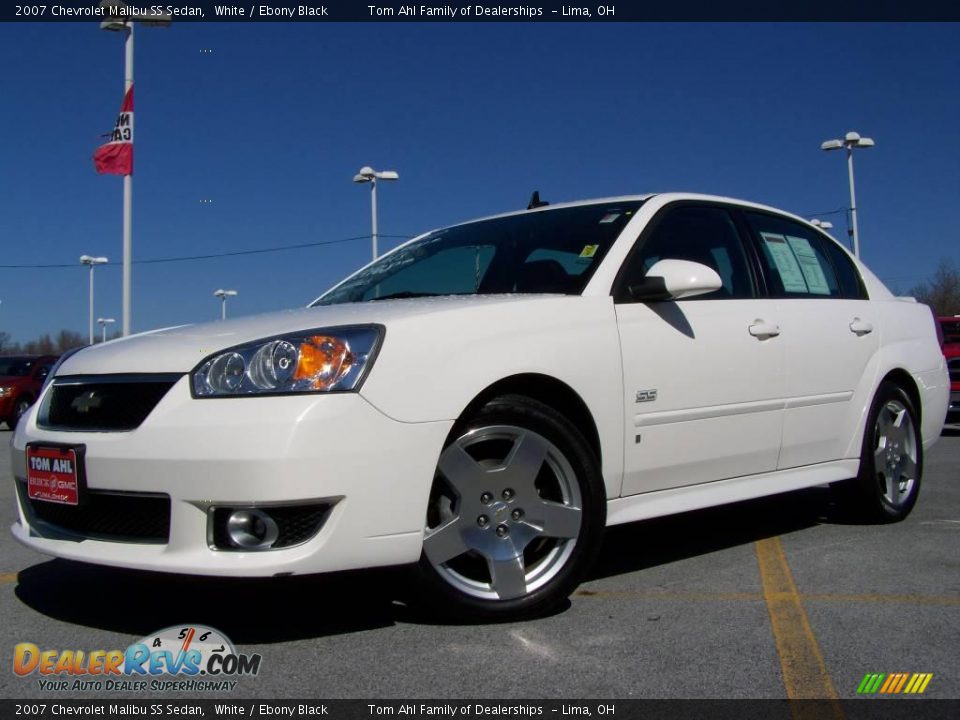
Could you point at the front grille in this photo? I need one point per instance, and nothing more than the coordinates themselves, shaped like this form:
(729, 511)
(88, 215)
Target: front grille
(130, 517)
(297, 524)
(105, 403)
(954, 366)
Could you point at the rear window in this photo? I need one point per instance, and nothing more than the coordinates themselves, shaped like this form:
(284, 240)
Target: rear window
(951, 330)
(15, 366)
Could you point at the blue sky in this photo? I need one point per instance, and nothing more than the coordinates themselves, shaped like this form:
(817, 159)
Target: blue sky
(274, 121)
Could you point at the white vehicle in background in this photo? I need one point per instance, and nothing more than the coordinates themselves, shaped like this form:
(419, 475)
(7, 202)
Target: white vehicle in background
(485, 399)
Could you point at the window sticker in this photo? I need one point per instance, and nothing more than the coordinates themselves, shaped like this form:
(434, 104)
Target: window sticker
(589, 250)
(809, 265)
(609, 217)
(790, 273)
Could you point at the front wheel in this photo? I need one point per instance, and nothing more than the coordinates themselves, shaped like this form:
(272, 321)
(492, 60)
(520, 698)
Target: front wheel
(891, 461)
(515, 513)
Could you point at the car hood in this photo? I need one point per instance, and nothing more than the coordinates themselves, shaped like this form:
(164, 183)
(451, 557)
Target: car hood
(180, 349)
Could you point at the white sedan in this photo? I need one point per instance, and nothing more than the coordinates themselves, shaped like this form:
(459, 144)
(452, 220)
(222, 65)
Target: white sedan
(482, 401)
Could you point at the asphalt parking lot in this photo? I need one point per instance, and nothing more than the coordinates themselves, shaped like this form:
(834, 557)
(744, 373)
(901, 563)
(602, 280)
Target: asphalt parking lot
(773, 598)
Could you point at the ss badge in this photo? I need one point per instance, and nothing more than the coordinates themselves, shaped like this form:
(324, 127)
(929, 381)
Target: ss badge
(646, 395)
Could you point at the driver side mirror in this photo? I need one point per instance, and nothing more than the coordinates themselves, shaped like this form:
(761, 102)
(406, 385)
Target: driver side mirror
(675, 280)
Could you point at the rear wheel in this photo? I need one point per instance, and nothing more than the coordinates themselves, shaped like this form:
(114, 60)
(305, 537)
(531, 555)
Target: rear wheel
(891, 460)
(515, 513)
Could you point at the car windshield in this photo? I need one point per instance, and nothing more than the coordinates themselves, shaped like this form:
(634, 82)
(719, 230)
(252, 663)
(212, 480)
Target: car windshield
(546, 251)
(15, 366)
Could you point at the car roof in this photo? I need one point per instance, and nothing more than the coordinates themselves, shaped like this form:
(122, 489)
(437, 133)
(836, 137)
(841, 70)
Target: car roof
(665, 196)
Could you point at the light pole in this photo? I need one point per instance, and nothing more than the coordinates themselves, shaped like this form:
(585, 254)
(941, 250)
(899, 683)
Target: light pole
(117, 22)
(223, 295)
(368, 175)
(822, 224)
(92, 262)
(850, 141)
(103, 328)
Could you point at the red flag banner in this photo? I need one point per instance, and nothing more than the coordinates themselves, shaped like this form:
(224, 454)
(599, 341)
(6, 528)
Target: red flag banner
(116, 156)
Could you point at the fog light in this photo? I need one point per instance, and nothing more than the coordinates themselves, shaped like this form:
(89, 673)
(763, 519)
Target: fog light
(252, 529)
(271, 527)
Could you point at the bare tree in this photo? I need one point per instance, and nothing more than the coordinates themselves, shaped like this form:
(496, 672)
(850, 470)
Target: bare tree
(43, 345)
(68, 339)
(942, 291)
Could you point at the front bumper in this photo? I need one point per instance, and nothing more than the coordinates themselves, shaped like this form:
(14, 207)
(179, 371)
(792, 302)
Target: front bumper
(337, 448)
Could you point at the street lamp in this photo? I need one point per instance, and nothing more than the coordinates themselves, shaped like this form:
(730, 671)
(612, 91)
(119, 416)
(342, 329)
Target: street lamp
(103, 328)
(118, 20)
(822, 224)
(223, 295)
(92, 262)
(368, 175)
(850, 141)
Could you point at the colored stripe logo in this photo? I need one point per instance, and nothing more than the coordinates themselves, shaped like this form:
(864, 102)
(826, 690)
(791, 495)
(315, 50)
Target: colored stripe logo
(894, 683)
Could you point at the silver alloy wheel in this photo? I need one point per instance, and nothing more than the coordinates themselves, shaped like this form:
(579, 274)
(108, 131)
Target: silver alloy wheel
(895, 455)
(504, 522)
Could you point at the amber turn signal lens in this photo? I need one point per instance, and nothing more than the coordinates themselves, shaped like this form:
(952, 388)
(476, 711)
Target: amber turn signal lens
(323, 361)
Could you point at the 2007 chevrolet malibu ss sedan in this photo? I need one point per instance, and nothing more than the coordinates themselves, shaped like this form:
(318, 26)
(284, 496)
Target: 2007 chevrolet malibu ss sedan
(483, 400)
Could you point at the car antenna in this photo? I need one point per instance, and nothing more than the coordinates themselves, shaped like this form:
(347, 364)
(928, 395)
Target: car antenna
(535, 201)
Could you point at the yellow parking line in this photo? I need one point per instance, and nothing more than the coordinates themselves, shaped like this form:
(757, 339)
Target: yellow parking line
(805, 673)
(8, 577)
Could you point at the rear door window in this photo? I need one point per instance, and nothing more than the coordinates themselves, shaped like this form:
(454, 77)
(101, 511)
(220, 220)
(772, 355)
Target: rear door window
(851, 284)
(798, 262)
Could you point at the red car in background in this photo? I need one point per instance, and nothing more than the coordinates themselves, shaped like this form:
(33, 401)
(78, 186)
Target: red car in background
(950, 330)
(21, 377)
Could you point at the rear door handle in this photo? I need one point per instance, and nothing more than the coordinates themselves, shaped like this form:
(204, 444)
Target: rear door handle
(762, 330)
(861, 327)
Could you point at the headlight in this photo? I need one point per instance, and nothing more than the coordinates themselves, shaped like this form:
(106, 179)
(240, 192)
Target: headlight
(5, 391)
(322, 360)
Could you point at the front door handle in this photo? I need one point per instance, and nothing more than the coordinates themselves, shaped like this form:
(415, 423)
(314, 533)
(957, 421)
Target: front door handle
(763, 330)
(860, 327)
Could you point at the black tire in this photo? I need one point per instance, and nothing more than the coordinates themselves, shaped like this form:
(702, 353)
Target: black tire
(515, 515)
(891, 459)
